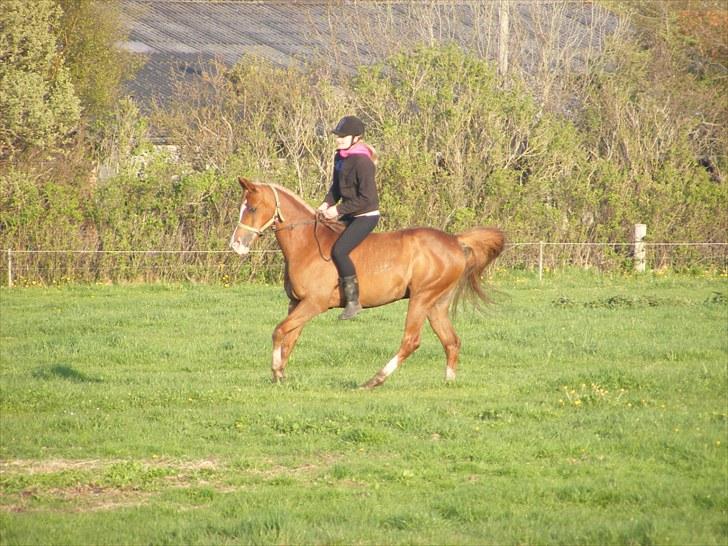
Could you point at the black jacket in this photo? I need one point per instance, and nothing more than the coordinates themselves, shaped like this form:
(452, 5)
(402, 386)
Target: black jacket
(354, 185)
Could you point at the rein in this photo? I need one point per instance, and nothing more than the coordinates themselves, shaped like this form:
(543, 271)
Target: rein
(315, 236)
(315, 222)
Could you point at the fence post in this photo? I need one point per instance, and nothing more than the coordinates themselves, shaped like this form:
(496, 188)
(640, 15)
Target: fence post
(640, 231)
(503, 37)
(10, 268)
(540, 261)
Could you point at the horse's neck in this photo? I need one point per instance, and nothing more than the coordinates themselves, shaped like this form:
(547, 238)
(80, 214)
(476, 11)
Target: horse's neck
(297, 227)
(304, 236)
(294, 209)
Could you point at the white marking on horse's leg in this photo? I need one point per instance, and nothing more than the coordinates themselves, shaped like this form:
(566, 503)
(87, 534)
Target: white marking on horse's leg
(382, 375)
(277, 366)
(277, 358)
(390, 367)
(449, 374)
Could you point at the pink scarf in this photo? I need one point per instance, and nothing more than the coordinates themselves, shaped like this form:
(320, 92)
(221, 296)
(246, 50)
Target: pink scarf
(358, 148)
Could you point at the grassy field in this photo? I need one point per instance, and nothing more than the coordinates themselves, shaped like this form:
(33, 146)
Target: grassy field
(588, 410)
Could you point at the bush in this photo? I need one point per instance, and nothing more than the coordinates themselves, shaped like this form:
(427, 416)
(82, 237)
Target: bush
(459, 145)
(38, 101)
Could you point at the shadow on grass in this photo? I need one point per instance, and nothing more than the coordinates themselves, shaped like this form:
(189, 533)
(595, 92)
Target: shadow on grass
(62, 371)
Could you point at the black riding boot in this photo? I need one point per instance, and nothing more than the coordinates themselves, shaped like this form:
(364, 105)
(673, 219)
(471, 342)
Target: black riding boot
(350, 287)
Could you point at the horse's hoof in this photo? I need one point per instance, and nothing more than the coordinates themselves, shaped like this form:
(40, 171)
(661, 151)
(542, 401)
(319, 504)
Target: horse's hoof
(372, 383)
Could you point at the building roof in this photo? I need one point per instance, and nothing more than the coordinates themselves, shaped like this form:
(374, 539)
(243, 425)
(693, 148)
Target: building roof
(179, 36)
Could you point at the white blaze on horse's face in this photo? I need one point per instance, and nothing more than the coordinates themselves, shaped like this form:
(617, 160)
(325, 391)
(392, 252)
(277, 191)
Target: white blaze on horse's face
(236, 241)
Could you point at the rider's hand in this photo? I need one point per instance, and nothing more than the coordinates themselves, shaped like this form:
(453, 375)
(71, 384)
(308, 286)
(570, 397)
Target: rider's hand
(323, 206)
(330, 213)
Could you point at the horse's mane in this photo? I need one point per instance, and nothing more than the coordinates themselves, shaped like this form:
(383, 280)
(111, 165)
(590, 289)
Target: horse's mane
(295, 197)
(334, 225)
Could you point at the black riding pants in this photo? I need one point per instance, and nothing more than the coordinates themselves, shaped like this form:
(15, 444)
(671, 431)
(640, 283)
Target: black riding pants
(356, 231)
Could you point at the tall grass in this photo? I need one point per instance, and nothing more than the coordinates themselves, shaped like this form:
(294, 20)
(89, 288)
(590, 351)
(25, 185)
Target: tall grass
(588, 410)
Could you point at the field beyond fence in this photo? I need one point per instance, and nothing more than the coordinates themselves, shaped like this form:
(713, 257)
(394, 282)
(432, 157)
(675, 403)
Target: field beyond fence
(588, 409)
(30, 267)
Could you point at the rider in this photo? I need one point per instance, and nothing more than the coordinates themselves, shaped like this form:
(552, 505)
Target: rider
(354, 189)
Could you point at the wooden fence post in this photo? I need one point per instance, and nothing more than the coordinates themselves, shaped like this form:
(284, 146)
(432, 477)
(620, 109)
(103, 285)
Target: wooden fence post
(10, 268)
(540, 261)
(640, 231)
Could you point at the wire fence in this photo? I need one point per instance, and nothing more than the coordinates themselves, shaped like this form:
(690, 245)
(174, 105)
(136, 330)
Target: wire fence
(49, 267)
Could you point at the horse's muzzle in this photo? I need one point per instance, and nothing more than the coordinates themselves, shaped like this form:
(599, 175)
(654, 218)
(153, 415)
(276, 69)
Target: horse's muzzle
(240, 248)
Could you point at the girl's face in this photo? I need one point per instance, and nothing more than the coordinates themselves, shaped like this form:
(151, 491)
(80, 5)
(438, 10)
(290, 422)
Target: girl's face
(345, 142)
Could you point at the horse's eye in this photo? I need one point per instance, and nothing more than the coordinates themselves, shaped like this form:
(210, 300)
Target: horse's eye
(252, 209)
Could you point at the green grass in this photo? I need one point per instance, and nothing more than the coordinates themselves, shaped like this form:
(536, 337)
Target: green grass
(588, 410)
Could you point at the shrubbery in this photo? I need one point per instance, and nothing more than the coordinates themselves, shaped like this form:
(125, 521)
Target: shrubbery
(459, 145)
(37, 100)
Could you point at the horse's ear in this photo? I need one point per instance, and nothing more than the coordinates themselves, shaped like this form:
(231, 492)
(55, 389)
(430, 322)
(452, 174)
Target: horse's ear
(246, 184)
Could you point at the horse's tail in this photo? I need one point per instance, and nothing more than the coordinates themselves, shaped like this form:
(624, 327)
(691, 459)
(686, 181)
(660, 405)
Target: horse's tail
(482, 246)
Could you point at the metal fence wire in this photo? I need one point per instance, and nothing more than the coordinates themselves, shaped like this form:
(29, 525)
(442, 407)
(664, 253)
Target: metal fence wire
(48, 267)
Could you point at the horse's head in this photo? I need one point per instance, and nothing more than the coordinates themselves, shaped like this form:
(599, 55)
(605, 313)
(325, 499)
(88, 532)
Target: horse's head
(259, 209)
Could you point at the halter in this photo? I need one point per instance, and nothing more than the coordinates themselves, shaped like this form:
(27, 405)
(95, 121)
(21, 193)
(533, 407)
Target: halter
(277, 215)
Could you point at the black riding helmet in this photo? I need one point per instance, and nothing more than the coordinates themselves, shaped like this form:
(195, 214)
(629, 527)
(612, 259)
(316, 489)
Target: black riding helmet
(349, 125)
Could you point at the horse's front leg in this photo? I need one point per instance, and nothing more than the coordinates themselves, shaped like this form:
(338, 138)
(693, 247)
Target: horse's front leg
(286, 334)
(282, 348)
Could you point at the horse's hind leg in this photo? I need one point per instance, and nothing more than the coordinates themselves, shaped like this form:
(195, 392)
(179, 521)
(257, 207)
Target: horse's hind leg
(416, 314)
(442, 326)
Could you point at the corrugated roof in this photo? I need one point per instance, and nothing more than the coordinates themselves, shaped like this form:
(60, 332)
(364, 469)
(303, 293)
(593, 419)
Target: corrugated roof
(178, 36)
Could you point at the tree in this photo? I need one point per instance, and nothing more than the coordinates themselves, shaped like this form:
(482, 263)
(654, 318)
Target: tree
(37, 99)
(89, 33)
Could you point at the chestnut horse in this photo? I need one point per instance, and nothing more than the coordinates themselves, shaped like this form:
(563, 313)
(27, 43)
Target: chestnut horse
(428, 266)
